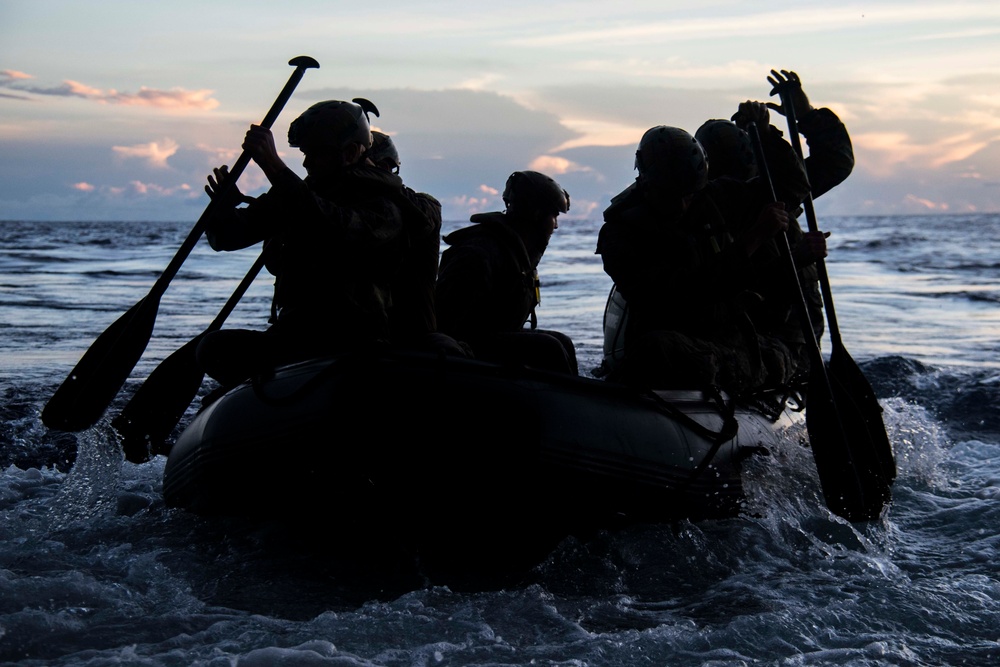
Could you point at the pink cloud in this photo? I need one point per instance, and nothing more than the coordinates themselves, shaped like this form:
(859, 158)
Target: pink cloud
(83, 187)
(222, 155)
(552, 164)
(78, 89)
(884, 151)
(138, 187)
(927, 203)
(470, 204)
(14, 75)
(173, 99)
(155, 152)
(10, 75)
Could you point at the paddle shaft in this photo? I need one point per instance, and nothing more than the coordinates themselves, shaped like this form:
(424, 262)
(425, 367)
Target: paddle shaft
(302, 63)
(786, 250)
(824, 280)
(848, 490)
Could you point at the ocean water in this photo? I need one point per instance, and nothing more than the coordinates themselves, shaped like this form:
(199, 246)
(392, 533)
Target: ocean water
(95, 570)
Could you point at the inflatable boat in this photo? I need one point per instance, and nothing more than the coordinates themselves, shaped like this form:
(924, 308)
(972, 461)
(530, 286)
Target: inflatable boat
(434, 445)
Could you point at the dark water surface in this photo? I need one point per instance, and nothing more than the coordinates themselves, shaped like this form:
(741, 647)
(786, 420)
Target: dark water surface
(94, 570)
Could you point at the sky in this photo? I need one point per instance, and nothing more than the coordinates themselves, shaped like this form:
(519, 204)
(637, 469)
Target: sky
(119, 110)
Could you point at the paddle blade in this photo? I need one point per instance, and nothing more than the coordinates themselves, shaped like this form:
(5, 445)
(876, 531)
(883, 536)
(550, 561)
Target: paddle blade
(854, 486)
(151, 414)
(96, 379)
(853, 392)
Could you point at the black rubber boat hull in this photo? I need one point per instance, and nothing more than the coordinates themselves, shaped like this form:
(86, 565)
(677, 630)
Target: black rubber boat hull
(430, 442)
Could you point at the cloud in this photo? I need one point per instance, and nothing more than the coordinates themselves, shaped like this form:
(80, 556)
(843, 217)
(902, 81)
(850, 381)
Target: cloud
(221, 155)
(600, 133)
(674, 67)
(926, 203)
(75, 89)
(783, 22)
(883, 151)
(137, 188)
(174, 99)
(584, 210)
(155, 153)
(13, 75)
(154, 189)
(958, 34)
(462, 206)
(956, 149)
(460, 146)
(552, 164)
(10, 75)
(619, 114)
(481, 82)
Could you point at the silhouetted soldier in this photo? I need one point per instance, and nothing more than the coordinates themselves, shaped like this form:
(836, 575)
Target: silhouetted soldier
(335, 240)
(830, 161)
(487, 286)
(681, 251)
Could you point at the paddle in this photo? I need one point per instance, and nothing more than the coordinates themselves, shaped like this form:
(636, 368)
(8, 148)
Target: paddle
(852, 487)
(159, 403)
(851, 387)
(91, 386)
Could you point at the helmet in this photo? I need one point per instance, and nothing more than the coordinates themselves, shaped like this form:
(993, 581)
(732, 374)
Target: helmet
(333, 124)
(383, 152)
(729, 150)
(532, 191)
(670, 159)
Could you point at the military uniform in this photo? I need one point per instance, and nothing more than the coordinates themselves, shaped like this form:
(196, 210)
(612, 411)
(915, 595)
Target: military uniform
(334, 249)
(684, 279)
(487, 290)
(830, 162)
(412, 315)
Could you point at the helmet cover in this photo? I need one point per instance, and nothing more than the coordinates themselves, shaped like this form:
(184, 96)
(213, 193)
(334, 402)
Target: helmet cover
(729, 150)
(670, 159)
(383, 152)
(533, 191)
(333, 124)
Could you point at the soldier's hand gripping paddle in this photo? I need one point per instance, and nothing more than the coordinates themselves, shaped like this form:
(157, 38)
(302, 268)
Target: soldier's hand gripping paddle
(838, 432)
(96, 379)
(850, 386)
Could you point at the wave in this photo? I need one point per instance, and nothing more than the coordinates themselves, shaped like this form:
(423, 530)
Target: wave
(966, 399)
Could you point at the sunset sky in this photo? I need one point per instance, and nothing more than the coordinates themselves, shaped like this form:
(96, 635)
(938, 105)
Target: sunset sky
(119, 110)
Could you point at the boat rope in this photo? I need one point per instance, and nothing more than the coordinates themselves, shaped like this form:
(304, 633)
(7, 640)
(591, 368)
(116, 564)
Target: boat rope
(770, 409)
(728, 431)
(726, 410)
(773, 402)
(730, 427)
